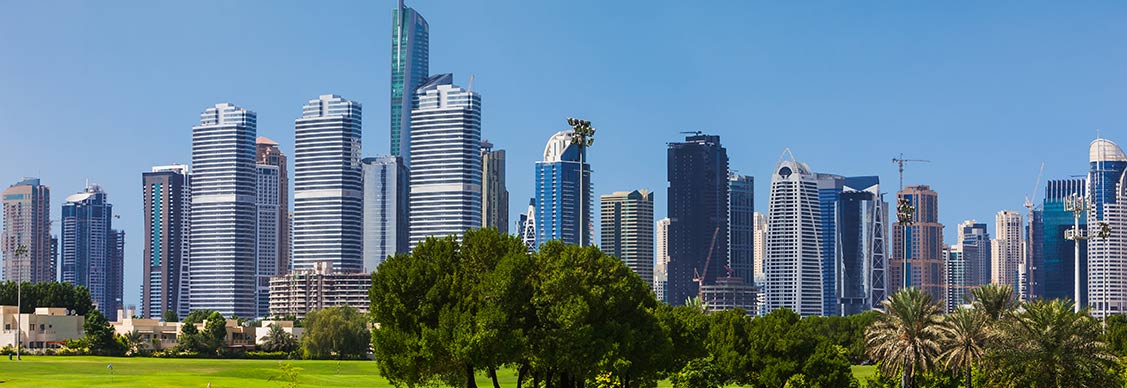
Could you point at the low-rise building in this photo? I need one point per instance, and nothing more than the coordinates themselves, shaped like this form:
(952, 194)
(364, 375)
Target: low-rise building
(729, 293)
(300, 292)
(47, 327)
(155, 334)
(263, 329)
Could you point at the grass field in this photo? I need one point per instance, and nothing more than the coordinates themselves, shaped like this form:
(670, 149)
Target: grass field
(158, 372)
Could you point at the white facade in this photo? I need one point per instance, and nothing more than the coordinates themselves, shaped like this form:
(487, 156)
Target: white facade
(661, 248)
(180, 272)
(1007, 250)
(794, 261)
(1107, 257)
(223, 211)
(445, 160)
(384, 215)
(760, 246)
(266, 253)
(328, 192)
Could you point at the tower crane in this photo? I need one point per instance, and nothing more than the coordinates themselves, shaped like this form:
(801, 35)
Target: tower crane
(904, 210)
(900, 163)
(699, 278)
(1028, 262)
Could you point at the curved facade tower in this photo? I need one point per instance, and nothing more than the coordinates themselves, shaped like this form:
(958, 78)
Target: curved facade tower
(563, 208)
(794, 236)
(1107, 257)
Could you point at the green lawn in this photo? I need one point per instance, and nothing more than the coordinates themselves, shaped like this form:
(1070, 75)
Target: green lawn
(158, 372)
(862, 372)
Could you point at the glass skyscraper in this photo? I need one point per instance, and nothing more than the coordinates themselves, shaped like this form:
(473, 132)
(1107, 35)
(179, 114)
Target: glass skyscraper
(268, 153)
(494, 195)
(861, 218)
(328, 191)
(563, 208)
(167, 193)
(268, 203)
(794, 240)
(1107, 257)
(223, 218)
(628, 230)
(1053, 255)
(386, 228)
(741, 227)
(829, 192)
(92, 250)
(27, 223)
(410, 66)
(698, 215)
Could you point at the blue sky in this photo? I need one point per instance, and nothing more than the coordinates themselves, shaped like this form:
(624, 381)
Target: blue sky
(987, 91)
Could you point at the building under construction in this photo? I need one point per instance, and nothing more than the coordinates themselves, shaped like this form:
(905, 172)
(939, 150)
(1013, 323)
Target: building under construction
(303, 291)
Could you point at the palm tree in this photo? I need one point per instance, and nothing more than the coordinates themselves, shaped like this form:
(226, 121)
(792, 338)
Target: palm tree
(1047, 344)
(965, 334)
(133, 340)
(905, 337)
(993, 299)
(278, 340)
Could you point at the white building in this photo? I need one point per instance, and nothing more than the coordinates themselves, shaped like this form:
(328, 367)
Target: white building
(1107, 257)
(222, 276)
(445, 160)
(794, 261)
(386, 226)
(328, 192)
(760, 246)
(1007, 249)
(661, 267)
(47, 327)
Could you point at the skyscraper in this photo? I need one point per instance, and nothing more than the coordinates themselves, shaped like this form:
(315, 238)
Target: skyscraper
(955, 271)
(627, 230)
(794, 240)
(1107, 257)
(168, 202)
(661, 259)
(1054, 256)
(860, 247)
(223, 217)
(697, 171)
(563, 209)
(976, 244)
(328, 191)
(266, 261)
(91, 248)
(386, 227)
(445, 160)
(924, 264)
(27, 223)
(829, 191)
(410, 66)
(760, 246)
(1006, 251)
(268, 153)
(494, 195)
(741, 227)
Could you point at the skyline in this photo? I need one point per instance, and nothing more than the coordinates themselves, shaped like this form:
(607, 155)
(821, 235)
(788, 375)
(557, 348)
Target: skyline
(966, 85)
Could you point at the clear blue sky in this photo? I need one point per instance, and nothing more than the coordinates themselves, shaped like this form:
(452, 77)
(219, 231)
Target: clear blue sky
(987, 91)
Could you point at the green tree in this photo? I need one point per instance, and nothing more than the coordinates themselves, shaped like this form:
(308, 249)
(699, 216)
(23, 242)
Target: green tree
(829, 367)
(335, 332)
(48, 294)
(215, 332)
(905, 337)
(1115, 334)
(966, 332)
(170, 316)
(993, 299)
(729, 343)
(100, 335)
(698, 373)
(687, 329)
(278, 340)
(1047, 344)
(197, 316)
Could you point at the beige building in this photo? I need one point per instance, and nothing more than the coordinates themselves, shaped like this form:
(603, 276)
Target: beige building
(158, 335)
(47, 327)
(1007, 249)
(303, 291)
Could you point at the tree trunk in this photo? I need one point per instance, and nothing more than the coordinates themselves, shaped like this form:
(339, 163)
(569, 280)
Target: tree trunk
(548, 379)
(969, 377)
(520, 374)
(470, 381)
(493, 375)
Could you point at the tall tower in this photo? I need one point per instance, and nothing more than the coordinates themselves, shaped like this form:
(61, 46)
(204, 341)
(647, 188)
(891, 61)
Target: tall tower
(410, 66)
(1007, 250)
(1107, 257)
(268, 153)
(386, 227)
(955, 270)
(760, 247)
(924, 264)
(90, 248)
(27, 223)
(494, 195)
(223, 218)
(328, 191)
(861, 217)
(794, 240)
(168, 202)
(829, 191)
(698, 214)
(661, 245)
(741, 227)
(976, 245)
(445, 160)
(266, 261)
(627, 229)
(1054, 255)
(563, 209)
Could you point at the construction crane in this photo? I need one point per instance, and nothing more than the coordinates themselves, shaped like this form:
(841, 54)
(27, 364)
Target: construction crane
(900, 163)
(1028, 262)
(699, 277)
(904, 211)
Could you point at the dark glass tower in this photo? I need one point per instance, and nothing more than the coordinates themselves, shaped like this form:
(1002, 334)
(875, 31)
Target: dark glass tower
(741, 227)
(167, 202)
(698, 214)
(410, 66)
(1053, 256)
(92, 249)
(861, 217)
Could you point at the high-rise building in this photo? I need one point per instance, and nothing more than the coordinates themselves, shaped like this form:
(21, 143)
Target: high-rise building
(90, 248)
(268, 153)
(1054, 256)
(223, 217)
(627, 229)
(268, 204)
(115, 273)
(27, 223)
(976, 245)
(924, 264)
(445, 160)
(168, 202)
(54, 258)
(955, 271)
(328, 191)
(563, 208)
(698, 215)
(829, 191)
(760, 247)
(494, 195)
(1107, 257)
(741, 227)
(859, 270)
(410, 66)
(526, 225)
(1006, 253)
(794, 240)
(386, 227)
(661, 259)
(302, 291)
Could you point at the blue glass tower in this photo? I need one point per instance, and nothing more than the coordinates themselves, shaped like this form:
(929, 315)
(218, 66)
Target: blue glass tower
(91, 249)
(829, 191)
(563, 209)
(410, 67)
(1053, 258)
(697, 172)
